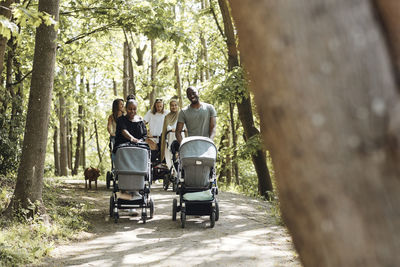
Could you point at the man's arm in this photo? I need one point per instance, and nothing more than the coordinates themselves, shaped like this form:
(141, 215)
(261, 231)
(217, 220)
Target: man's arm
(178, 131)
(213, 127)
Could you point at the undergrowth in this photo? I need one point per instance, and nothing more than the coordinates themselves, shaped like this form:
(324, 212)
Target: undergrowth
(249, 187)
(27, 240)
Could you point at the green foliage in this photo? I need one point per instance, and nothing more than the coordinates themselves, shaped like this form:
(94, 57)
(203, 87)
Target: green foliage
(250, 147)
(231, 87)
(24, 241)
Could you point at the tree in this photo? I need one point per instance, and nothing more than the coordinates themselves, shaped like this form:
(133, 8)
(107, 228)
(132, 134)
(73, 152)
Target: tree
(244, 107)
(29, 184)
(327, 100)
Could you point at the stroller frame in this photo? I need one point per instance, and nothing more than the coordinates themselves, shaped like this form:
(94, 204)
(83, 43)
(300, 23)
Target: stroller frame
(172, 177)
(130, 176)
(205, 165)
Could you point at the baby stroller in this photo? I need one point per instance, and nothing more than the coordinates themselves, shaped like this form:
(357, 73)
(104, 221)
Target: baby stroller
(197, 186)
(132, 179)
(159, 169)
(172, 161)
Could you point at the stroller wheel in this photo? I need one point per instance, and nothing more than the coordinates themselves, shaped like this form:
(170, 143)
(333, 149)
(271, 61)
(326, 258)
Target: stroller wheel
(174, 208)
(212, 218)
(216, 210)
(183, 219)
(108, 179)
(151, 203)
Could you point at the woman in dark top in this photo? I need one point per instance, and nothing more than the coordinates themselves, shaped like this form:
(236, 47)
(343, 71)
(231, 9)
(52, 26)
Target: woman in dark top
(130, 128)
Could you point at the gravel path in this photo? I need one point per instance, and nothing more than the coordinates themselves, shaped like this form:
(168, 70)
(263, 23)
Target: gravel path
(245, 235)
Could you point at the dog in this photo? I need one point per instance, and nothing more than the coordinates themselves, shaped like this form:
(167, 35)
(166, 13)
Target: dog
(91, 174)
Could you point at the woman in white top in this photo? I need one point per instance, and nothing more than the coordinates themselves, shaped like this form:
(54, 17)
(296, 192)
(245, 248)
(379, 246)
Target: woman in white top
(155, 119)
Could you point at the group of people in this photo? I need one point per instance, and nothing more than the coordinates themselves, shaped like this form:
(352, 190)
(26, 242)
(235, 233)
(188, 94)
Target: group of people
(198, 119)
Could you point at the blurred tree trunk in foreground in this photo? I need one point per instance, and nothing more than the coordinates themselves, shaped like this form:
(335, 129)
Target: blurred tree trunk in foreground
(329, 109)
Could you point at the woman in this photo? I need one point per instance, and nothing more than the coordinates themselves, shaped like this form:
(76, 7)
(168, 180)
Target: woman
(170, 121)
(155, 119)
(117, 111)
(130, 128)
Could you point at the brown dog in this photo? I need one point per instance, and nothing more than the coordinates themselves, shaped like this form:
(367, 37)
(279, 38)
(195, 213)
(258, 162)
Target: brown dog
(91, 174)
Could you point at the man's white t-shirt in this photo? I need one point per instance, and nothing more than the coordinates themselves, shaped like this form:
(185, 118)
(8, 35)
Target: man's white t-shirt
(155, 122)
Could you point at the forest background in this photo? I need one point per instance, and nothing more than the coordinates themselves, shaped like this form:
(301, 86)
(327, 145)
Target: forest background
(108, 49)
(325, 78)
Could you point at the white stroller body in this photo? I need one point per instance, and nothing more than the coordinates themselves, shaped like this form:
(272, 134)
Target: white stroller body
(197, 187)
(132, 180)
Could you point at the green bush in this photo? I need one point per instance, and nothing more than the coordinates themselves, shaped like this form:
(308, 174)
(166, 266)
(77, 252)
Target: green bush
(25, 241)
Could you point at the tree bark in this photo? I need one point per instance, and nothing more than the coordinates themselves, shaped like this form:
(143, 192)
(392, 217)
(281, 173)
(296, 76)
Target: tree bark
(125, 82)
(153, 72)
(78, 136)
(55, 152)
(28, 188)
(329, 106)
(235, 166)
(388, 14)
(245, 107)
(63, 138)
(97, 141)
(115, 87)
(69, 140)
(178, 86)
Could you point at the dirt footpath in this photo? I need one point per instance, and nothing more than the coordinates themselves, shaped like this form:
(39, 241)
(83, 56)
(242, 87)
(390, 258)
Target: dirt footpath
(245, 235)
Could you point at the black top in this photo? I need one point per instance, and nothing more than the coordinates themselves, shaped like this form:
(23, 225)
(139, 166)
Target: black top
(136, 128)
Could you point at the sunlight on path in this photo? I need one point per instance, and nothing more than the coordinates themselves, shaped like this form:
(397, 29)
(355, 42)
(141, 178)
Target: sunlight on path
(244, 236)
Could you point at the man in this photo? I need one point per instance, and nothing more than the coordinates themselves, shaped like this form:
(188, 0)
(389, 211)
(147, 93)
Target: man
(200, 118)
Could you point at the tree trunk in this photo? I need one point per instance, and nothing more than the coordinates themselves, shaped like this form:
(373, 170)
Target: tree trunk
(178, 86)
(55, 152)
(97, 141)
(115, 87)
(125, 83)
(69, 140)
(6, 12)
(235, 166)
(329, 107)
(28, 188)
(244, 106)
(153, 72)
(78, 138)
(63, 138)
(131, 84)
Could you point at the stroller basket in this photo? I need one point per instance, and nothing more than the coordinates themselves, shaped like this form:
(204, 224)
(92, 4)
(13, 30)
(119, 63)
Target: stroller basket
(197, 155)
(132, 167)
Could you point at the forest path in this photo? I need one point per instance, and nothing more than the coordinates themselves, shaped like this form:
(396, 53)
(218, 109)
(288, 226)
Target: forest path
(245, 235)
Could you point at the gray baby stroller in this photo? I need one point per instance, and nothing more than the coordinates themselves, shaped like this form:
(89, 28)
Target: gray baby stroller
(132, 180)
(197, 186)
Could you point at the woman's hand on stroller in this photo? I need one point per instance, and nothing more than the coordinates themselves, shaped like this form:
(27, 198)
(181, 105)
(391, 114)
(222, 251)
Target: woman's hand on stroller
(134, 140)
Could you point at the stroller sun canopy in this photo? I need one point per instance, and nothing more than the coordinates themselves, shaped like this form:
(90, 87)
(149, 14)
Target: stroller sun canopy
(132, 160)
(198, 148)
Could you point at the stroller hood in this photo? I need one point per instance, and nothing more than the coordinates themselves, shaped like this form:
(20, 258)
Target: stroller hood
(198, 147)
(131, 160)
